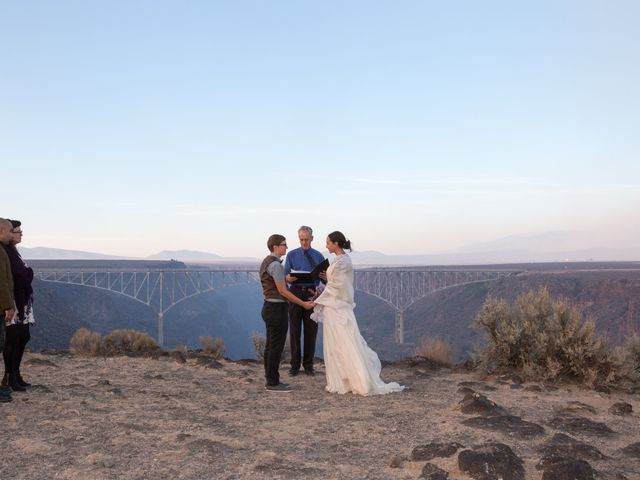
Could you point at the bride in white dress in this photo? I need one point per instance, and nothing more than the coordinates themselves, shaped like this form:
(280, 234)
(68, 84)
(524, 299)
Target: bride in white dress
(350, 365)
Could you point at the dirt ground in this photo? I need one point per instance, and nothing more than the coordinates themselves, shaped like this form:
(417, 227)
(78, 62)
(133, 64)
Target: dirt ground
(137, 418)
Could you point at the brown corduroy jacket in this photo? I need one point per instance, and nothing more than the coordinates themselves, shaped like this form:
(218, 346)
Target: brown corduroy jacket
(6, 283)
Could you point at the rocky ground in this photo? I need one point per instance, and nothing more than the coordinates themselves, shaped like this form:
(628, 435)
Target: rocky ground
(134, 418)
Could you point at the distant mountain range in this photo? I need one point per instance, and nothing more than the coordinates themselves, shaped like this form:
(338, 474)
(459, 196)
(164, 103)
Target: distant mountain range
(46, 253)
(534, 248)
(188, 256)
(194, 256)
(497, 257)
(543, 247)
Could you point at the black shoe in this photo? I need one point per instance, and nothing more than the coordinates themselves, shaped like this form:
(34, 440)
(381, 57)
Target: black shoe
(311, 373)
(5, 398)
(21, 380)
(294, 371)
(5, 380)
(281, 387)
(13, 383)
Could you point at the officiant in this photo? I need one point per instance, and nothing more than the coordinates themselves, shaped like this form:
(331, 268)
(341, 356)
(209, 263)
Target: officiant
(303, 259)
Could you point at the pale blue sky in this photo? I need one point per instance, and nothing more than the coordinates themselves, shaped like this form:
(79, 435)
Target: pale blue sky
(128, 127)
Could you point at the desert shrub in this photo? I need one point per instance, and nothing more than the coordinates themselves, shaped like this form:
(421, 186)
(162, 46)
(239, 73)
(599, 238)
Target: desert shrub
(182, 348)
(212, 346)
(434, 349)
(128, 341)
(629, 356)
(259, 341)
(84, 342)
(544, 339)
(117, 342)
(180, 353)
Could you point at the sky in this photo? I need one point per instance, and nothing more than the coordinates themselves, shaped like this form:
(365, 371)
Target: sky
(414, 127)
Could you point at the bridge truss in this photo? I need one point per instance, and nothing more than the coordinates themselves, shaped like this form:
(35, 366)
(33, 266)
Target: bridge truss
(161, 290)
(402, 288)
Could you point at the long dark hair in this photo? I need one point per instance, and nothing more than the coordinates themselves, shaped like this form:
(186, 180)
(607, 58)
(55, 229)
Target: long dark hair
(340, 239)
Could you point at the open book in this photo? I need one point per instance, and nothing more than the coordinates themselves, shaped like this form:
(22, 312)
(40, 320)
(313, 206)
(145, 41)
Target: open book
(312, 276)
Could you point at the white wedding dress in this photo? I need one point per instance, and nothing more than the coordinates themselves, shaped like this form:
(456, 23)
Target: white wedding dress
(350, 365)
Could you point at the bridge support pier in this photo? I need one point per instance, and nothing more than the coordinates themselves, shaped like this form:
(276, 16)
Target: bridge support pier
(160, 330)
(399, 327)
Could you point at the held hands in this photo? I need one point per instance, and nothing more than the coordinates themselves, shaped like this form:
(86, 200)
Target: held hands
(8, 314)
(308, 305)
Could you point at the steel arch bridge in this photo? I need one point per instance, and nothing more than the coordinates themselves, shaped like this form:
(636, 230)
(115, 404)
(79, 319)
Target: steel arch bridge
(402, 288)
(161, 290)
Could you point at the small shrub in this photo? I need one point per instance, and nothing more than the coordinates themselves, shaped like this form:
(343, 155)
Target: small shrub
(286, 351)
(629, 356)
(259, 342)
(212, 346)
(545, 339)
(84, 342)
(182, 348)
(180, 353)
(128, 341)
(117, 342)
(435, 349)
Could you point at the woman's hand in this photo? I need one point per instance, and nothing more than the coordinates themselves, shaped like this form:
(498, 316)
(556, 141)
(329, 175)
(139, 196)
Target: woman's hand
(309, 305)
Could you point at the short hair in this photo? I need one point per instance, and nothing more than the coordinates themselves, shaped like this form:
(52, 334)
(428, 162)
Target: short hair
(5, 225)
(309, 230)
(15, 223)
(274, 240)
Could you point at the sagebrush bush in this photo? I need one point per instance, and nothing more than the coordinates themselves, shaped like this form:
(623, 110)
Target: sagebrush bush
(545, 339)
(128, 341)
(629, 356)
(259, 341)
(182, 348)
(212, 346)
(117, 342)
(435, 349)
(84, 342)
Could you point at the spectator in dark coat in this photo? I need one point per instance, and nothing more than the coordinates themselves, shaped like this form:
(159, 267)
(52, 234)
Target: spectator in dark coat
(17, 329)
(7, 304)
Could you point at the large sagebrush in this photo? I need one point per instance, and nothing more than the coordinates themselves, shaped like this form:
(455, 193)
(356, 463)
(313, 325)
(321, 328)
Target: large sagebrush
(118, 342)
(545, 339)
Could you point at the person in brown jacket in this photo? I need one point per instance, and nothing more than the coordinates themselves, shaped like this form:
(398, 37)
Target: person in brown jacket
(7, 303)
(275, 310)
